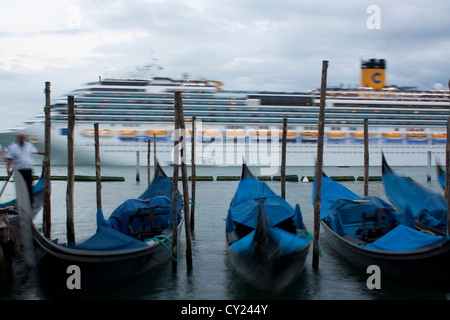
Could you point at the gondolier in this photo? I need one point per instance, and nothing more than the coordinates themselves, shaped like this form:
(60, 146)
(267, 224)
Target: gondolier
(19, 155)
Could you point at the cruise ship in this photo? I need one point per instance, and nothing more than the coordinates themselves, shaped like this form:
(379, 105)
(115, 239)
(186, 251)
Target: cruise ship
(234, 126)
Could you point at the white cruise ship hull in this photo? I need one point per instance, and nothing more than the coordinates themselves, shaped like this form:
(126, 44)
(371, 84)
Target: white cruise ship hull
(116, 151)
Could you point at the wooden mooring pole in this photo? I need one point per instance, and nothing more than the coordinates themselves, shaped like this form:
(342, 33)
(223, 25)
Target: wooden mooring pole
(366, 157)
(138, 177)
(148, 161)
(70, 171)
(98, 174)
(47, 213)
(193, 173)
(154, 152)
(319, 163)
(179, 124)
(176, 153)
(283, 159)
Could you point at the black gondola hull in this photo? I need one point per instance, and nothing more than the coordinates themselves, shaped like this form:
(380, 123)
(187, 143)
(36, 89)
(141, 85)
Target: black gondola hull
(268, 254)
(271, 276)
(426, 268)
(96, 271)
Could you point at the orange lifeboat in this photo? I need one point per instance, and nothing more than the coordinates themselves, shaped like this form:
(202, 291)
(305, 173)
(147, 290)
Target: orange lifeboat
(336, 135)
(360, 135)
(439, 136)
(128, 133)
(392, 135)
(234, 133)
(289, 134)
(310, 135)
(263, 132)
(212, 133)
(417, 136)
(157, 132)
(101, 132)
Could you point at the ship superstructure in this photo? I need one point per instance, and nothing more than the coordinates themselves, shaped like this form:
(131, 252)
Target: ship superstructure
(235, 125)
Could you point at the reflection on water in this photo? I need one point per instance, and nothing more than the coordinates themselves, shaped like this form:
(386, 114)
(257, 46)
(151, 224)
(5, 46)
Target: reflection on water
(213, 277)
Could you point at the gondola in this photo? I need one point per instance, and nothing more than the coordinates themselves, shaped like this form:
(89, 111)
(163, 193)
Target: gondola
(265, 236)
(16, 238)
(135, 239)
(370, 232)
(429, 209)
(38, 200)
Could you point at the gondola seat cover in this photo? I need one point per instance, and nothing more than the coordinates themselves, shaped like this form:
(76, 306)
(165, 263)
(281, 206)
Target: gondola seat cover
(108, 239)
(332, 191)
(344, 214)
(158, 194)
(339, 210)
(120, 218)
(403, 239)
(114, 234)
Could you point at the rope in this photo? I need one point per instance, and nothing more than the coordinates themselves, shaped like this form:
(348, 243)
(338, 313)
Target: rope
(190, 202)
(305, 234)
(157, 239)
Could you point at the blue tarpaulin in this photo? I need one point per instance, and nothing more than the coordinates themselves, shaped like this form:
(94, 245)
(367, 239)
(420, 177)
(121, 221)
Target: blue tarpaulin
(286, 241)
(244, 206)
(428, 208)
(108, 239)
(114, 233)
(403, 239)
(346, 216)
(121, 216)
(330, 192)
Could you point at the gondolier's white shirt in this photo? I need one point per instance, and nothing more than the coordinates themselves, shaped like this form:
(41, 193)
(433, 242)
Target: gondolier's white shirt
(21, 156)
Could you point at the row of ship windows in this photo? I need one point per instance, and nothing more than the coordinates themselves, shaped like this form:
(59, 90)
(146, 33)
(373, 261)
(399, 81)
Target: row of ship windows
(158, 96)
(102, 108)
(243, 102)
(402, 106)
(168, 101)
(269, 121)
(259, 114)
(212, 96)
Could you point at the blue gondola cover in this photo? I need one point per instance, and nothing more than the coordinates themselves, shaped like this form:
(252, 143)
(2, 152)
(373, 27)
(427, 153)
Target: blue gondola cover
(114, 233)
(403, 239)
(244, 206)
(428, 208)
(108, 239)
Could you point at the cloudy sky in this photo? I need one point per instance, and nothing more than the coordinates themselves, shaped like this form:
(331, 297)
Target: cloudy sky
(247, 44)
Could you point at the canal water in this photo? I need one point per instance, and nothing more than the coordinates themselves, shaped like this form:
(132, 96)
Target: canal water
(212, 276)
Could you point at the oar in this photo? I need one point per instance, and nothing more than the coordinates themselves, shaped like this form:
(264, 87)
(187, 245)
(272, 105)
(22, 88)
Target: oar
(3, 189)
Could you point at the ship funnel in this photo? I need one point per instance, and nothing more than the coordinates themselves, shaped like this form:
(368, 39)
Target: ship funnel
(373, 73)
